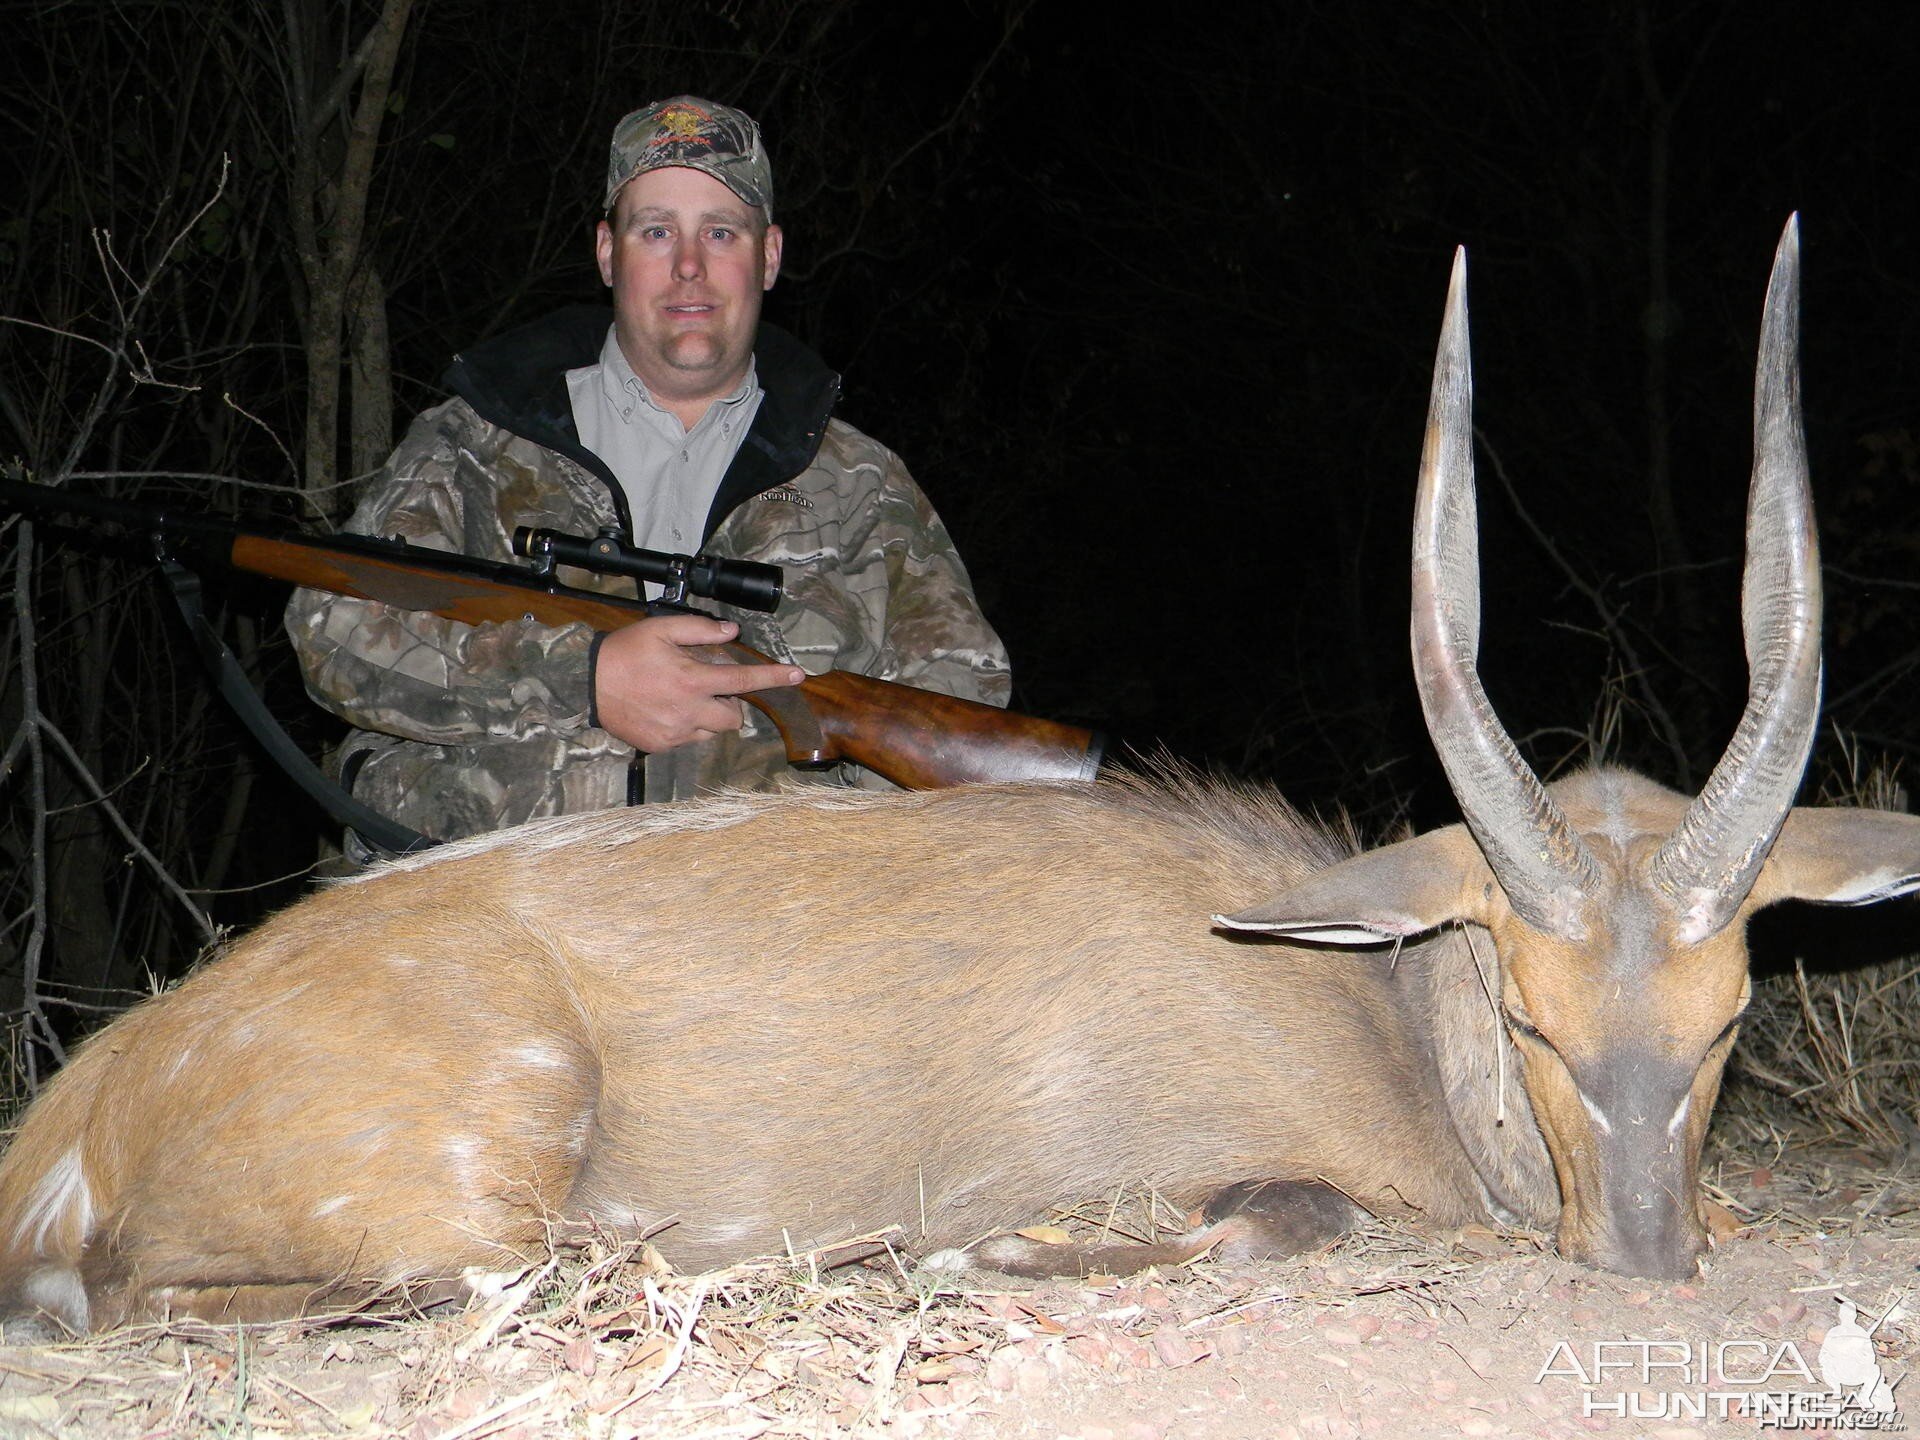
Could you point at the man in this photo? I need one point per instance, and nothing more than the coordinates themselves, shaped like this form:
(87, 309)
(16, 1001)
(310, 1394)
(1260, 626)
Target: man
(688, 425)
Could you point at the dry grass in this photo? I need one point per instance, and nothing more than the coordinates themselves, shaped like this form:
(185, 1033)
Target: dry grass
(610, 1343)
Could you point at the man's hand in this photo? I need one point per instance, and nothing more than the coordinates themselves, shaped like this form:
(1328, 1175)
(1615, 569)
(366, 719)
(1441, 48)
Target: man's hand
(650, 692)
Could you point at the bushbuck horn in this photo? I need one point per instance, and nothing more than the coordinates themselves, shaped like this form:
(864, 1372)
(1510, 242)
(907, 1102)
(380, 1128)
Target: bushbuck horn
(1545, 869)
(1709, 864)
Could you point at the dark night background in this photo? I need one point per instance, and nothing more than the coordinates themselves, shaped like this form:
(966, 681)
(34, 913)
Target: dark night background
(1148, 307)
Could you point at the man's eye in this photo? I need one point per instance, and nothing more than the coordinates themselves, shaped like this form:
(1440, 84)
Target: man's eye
(655, 232)
(720, 232)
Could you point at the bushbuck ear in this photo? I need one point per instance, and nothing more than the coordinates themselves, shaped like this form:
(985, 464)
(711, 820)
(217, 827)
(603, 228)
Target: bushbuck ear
(1842, 857)
(1387, 894)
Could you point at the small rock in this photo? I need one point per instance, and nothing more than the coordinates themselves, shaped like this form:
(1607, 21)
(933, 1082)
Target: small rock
(1176, 1350)
(1094, 1350)
(1003, 1370)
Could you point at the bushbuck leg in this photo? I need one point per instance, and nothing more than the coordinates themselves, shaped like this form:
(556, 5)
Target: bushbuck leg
(1244, 1222)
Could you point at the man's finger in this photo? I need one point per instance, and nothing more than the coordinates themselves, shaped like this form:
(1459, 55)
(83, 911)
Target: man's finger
(693, 629)
(745, 679)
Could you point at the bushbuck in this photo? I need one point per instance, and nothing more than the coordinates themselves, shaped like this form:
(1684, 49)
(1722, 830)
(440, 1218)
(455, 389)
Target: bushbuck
(773, 1022)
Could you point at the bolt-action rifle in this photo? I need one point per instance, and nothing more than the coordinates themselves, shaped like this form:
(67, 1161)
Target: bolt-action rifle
(915, 738)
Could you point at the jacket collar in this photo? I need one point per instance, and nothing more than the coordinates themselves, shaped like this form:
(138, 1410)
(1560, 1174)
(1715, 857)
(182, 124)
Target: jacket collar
(519, 381)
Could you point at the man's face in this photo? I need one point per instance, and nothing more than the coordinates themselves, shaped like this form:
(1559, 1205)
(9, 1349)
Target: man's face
(688, 261)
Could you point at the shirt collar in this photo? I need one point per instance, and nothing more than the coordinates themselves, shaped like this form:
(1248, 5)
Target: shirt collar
(621, 386)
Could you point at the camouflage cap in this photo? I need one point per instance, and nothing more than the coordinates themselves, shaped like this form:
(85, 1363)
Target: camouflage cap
(694, 134)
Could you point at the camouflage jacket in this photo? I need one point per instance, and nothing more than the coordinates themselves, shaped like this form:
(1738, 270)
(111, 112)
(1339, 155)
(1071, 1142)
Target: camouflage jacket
(467, 728)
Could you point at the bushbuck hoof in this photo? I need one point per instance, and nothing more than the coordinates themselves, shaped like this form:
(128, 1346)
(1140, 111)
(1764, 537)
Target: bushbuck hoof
(1247, 1221)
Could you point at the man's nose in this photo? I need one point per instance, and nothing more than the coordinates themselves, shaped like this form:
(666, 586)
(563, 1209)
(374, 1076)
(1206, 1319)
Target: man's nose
(688, 263)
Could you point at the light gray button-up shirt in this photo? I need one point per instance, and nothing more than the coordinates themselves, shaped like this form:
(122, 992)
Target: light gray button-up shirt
(670, 473)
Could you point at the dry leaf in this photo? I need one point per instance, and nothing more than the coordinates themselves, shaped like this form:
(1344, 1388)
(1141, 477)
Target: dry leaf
(1045, 1235)
(1479, 1240)
(649, 1350)
(1722, 1223)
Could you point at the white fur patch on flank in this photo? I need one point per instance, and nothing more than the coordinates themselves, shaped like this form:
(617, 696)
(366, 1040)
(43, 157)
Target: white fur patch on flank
(62, 1201)
(541, 1057)
(465, 1151)
(327, 1207)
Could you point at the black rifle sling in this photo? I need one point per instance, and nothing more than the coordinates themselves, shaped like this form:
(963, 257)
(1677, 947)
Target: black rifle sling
(371, 826)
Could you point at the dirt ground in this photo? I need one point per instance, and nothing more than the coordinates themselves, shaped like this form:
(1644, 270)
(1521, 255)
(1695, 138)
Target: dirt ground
(1390, 1334)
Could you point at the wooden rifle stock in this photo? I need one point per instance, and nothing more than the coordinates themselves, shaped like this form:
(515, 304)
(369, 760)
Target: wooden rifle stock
(916, 738)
